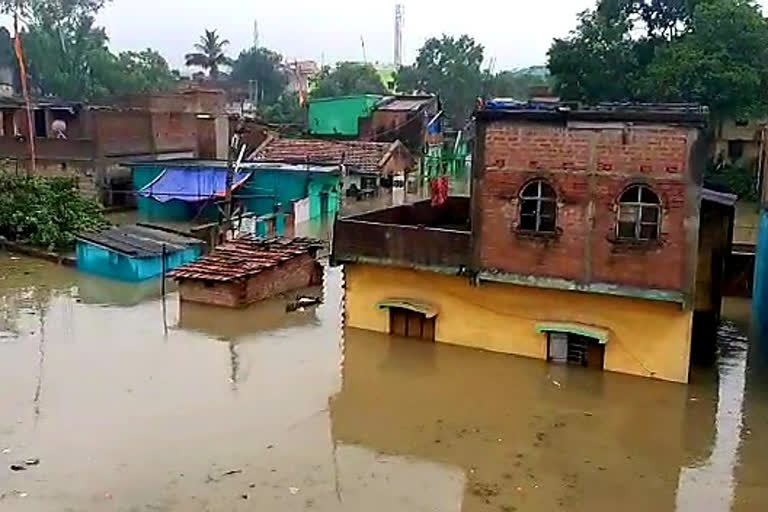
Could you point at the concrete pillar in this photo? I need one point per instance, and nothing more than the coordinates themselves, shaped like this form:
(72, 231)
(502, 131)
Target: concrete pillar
(221, 124)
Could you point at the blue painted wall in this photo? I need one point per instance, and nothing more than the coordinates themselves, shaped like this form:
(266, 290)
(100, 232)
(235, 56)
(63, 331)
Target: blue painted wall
(760, 293)
(97, 260)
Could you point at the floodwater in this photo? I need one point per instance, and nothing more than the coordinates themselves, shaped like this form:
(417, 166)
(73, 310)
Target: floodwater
(267, 410)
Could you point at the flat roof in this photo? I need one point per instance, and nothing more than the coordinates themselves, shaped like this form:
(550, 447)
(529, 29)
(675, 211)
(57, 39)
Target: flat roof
(136, 241)
(680, 113)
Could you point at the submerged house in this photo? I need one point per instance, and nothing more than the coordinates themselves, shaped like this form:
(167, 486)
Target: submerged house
(247, 270)
(135, 253)
(189, 190)
(588, 240)
(366, 165)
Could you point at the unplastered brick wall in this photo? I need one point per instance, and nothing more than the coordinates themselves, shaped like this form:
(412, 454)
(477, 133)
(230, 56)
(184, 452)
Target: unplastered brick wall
(589, 166)
(300, 272)
(230, 294)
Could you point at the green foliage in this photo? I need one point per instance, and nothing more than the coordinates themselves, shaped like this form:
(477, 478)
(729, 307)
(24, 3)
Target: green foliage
(597, 61)
(263, 66)
(514, 84)
(722, 61)
(286, 110)
(732, 179)
(51, 11)
(67, 55)
(348, 79)
(450, 67)
(45, 212)
(210, 54)
(713, 52)
(7, 56)
(143, 72)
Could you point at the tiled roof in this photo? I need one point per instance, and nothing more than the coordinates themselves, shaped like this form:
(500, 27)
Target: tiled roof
(358, 155)
(245, 257)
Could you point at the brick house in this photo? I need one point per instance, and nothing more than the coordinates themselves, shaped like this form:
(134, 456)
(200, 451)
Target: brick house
(248, 270)
(89, 142)
(588, 239)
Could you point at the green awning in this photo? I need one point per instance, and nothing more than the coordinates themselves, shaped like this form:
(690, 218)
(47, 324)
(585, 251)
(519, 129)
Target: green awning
(590, 331)
(424, 308)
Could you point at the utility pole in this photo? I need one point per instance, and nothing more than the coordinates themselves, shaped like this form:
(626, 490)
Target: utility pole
(232, 169)
(399, 15)
(362, 42)
(24, 86)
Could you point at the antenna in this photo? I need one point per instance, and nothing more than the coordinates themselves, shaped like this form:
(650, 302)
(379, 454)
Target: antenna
(399, 20)
(255, 33)
(362, 42)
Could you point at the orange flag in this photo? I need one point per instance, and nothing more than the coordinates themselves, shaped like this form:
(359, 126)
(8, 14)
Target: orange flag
(25, 91)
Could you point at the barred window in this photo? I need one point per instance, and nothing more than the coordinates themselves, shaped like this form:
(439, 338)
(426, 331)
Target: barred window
(639, 214)
(538, 207)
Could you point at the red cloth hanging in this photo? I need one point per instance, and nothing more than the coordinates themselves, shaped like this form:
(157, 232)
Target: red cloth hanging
(439, 188)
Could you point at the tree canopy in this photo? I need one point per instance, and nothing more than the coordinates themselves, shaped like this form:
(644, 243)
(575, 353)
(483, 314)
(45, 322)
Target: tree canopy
(451, 67)
(67, 55)
(348, 78)
(209, 54)
(515, 84)
(713, 52)
(264, 67)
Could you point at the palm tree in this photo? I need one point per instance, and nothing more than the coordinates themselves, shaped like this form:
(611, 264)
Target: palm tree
(210, 54)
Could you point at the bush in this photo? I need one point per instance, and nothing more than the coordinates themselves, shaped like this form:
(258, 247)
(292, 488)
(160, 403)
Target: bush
(45, 212)
(734, 180)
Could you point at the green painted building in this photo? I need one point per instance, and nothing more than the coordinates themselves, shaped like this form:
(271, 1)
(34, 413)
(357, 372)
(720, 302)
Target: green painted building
(340, 116)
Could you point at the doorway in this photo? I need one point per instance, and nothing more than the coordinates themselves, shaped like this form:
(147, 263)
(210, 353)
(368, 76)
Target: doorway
(575, 350)
(41, 126)
(410, 324)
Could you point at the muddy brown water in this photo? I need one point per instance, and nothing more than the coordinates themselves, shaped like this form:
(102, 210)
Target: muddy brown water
(263, 410)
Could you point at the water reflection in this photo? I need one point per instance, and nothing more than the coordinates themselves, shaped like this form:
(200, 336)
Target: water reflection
(112, 406)
(235, 324)
(711, 485)
(530, 439)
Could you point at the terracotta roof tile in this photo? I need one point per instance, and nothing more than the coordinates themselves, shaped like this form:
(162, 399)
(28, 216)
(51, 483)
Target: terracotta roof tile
(358, 155)
(244, 257)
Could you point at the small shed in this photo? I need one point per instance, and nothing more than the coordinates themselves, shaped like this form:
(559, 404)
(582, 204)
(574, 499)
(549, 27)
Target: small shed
(248, 270)
(134, 252)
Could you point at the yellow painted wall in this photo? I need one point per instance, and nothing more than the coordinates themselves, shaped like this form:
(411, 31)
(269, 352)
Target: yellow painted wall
(648, 338)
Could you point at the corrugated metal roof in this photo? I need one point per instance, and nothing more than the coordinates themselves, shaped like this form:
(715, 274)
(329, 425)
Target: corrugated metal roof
(245, 257)
(405, 104)
(139, 241)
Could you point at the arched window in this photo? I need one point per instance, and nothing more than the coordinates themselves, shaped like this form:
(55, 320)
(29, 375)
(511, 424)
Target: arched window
(639, 214)
(538, 207)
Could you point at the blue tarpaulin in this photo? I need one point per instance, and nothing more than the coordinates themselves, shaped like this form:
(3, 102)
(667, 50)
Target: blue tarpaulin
(191, 185)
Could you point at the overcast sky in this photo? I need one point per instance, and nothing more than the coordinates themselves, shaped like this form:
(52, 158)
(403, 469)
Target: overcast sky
(516, 32)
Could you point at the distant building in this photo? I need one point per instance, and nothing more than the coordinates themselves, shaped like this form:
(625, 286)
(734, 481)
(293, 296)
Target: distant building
(366, 165)
(738, 142)
(588, 240)
(413, 120)
(300, 75)
(88, 142)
